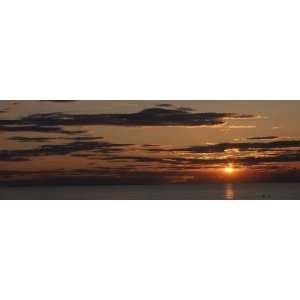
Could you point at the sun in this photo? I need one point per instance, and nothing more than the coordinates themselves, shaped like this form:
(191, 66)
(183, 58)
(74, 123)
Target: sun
(229, 169)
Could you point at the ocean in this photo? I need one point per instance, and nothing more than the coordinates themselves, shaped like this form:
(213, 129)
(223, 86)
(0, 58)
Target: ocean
(227, 191)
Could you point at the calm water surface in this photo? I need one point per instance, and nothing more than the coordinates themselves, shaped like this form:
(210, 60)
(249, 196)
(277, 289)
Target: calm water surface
(155, 192)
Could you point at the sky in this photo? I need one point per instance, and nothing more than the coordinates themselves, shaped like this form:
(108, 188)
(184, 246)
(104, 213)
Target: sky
(148, 142)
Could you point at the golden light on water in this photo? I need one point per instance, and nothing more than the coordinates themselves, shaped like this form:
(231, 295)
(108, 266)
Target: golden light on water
(229, 193)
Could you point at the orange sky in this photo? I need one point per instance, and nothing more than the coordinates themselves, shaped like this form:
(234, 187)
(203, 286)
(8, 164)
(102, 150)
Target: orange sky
(148, 141)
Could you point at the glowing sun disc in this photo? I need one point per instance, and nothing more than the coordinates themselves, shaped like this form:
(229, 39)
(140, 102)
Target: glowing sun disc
(228, 170)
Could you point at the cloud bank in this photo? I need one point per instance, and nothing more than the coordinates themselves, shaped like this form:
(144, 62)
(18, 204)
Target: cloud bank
(157, 116)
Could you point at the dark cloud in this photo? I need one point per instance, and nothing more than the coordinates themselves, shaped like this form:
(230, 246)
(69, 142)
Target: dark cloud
(151, 145)
(47, 139)
(136, 158)
(164, 105)
(35, 128)
(279, 151)
(148, 117)
(63, 149)
(286, 157)
(30, 139)
(240, 146)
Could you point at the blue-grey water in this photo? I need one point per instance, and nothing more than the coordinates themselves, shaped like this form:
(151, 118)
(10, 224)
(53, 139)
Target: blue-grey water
(155, 192)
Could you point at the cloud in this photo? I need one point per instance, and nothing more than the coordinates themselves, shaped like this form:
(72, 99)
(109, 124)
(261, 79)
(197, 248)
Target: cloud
(47, 139)
(169, 163)
(137, 158)
(90, 148)
(36, 128)
(62, 149)
(254, 153)
(151, 145)
(164, 105)
(286, 157)
(147, 117)
(30, 139)
(215, 148)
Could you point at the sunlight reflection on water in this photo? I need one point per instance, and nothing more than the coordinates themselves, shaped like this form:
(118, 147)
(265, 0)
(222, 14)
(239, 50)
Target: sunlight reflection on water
(229, 191)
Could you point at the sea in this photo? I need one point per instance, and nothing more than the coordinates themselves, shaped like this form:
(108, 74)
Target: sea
(228, 191)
